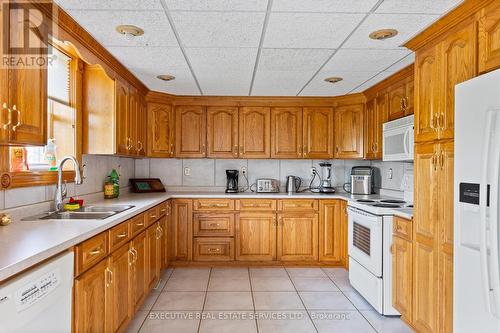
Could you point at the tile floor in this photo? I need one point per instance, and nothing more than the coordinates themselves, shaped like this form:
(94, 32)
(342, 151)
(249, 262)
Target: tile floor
(259, 300)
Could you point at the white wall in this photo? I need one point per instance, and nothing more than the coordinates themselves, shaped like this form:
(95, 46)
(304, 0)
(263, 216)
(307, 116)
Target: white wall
(95, 172)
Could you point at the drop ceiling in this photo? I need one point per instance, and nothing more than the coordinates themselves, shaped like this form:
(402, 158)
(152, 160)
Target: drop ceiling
(258, 47)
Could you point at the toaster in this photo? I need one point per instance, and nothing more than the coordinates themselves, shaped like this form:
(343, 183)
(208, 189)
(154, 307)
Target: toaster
(362, 180)
(267, 185)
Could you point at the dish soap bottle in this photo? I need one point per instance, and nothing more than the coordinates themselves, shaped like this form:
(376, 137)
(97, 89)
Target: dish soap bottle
(109, 189)
(115, 179)
(50, 154)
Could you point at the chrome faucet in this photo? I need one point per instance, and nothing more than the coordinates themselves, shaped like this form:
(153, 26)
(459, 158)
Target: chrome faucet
(61, 189)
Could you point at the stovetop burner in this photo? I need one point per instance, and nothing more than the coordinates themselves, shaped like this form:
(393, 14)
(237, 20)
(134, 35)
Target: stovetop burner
(365, 200)
(392, 201)
(386, 205)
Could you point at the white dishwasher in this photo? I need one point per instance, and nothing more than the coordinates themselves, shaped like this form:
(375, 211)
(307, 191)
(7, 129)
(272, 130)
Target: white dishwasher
(39, 300)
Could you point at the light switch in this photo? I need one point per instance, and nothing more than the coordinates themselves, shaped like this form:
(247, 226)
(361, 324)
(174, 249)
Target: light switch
(187, 171)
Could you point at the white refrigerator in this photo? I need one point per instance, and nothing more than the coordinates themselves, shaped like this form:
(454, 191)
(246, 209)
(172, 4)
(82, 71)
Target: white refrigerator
(476, 292)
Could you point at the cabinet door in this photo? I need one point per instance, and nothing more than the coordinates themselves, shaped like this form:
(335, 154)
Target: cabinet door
(410, 96)
(190, 131)
(318, 133)
(349, 131)
(330, 230)
(459, 65)
(118, 303)
(255, 132)
(4, 92)
(90, 300)
(163, 242)
(27, 89)
(297, 237)
(427, 92)
(256, 236)
(139, 287)
(397, 100)
(181, 230)
(154, 256)
(381, 116)
(489, 38)
(160, 130)
(123, 140)
(402, 276)
(286, 132)
(222, 132)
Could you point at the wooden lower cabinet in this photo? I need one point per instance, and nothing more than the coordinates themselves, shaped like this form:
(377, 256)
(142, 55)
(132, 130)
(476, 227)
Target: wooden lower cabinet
(402, 279)
(153, 237)
(213, 249)
(139, 268)
(163, 224)
(118, 285)
(297, 237)
(180, 230)
(255, 236)
(90, 300)
(332, 234)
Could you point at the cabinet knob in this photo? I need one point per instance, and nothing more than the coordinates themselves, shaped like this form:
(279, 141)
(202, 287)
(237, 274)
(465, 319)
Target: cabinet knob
(139, 146)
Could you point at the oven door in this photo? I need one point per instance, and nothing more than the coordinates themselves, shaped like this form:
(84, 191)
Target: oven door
(365, 240)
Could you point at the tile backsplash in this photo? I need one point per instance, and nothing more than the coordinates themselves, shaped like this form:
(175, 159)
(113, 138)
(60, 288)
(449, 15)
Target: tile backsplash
(209, 174)
(96, 169)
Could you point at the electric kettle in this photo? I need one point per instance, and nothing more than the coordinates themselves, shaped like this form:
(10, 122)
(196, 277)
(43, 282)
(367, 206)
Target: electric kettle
(293, 184)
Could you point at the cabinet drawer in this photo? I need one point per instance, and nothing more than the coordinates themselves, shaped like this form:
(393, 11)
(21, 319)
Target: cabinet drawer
(91, 252)
(118, 235)
(137, 224)
(295, 205)
(163, 209)
(152, 215)
(213, 204)
(255, 205)
(213, 249)
(213, 224)
(402, 228)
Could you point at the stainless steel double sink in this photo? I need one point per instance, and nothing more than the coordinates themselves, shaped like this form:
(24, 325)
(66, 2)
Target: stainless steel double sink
(84, 213)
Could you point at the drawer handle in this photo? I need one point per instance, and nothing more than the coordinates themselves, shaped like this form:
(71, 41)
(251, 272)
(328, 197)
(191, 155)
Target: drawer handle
(215, 224)
(216, 205)
(139, 224)
(122, 235)
(95, 251)
(153, 216)
(216, 250)
(257, 205)
(109, 277)
(163, 210)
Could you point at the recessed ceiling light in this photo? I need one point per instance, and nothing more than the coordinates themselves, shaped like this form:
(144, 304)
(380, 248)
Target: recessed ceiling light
(383, 34)
(166, 77)
(130, 31)
(333, 79)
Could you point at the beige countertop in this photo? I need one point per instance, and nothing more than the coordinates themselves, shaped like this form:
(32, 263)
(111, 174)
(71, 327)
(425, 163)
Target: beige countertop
(26, 243)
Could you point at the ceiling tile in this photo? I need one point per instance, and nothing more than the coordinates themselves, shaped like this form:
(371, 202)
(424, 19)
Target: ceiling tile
(417, 7)
(406, 24)
(223, 70)
(364, 60)
(318, 86)
(279, 83)
(218, 5)
(293, 59)
(183, 84)
(371, 82)
(162, 59)
(110, 4)
(102, 25)
(309, 30)
(219, 29)
(322, 6)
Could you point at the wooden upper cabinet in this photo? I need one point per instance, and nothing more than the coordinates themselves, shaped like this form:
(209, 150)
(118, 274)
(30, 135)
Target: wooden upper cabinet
(286, 132)
(375, 116)
(27, 90)
(123, 140)
(410, 96)
(458, 65)
(160, 130)
(142, 127)
(349, 126)
(134, 108)
(255, 132)
(4, 93)
(489, 38)
(318, 132)
(427, 92)
(190, 130)
(222, 132)
(397, 101)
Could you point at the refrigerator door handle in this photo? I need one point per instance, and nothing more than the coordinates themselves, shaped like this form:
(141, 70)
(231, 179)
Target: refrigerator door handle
(494, 223)
(483, 188)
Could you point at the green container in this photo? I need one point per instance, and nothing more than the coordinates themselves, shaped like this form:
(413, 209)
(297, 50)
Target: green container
(115, 179)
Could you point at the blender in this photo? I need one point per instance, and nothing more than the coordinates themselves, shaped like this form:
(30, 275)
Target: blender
(325, 179)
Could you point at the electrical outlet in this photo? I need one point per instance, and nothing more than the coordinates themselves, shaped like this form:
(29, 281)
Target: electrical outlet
(187, 171)
(313, 171)
(244, 171)
(389, 173)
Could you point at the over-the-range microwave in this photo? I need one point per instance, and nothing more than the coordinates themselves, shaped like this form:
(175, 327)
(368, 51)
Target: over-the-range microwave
(398, 138)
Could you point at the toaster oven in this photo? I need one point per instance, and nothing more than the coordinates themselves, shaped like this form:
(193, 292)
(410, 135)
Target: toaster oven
(267, 185)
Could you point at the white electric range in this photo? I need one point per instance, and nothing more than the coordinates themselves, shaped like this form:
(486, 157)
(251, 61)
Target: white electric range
(370, 240)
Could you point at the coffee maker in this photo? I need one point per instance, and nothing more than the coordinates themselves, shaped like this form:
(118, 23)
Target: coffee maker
(232, 181)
